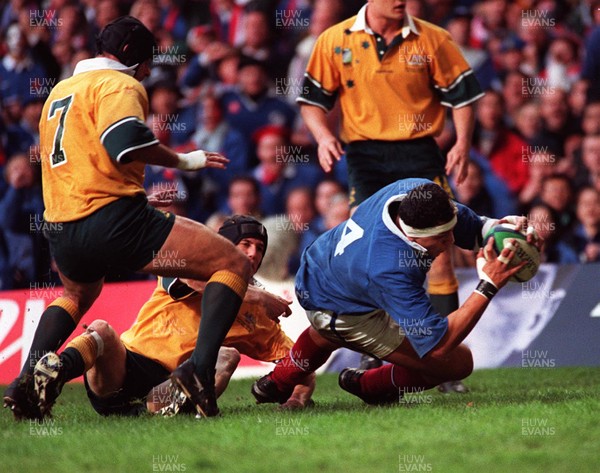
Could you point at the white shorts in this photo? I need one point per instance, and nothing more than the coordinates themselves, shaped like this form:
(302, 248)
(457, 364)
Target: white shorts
(374, 333)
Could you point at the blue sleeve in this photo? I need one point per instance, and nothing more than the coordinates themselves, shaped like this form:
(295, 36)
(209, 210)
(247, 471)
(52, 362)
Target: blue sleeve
(467, 232)
(404, 298)
(194, 74)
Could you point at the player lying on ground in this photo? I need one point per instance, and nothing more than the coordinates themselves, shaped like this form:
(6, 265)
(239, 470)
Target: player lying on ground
(94, 145)
(120, 372)
(362, 285)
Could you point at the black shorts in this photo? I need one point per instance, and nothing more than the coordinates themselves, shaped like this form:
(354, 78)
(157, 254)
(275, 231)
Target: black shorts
(126, 233)
(141, 375)
(375, 164)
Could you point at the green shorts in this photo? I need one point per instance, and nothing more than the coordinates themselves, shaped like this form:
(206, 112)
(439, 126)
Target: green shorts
(126, 233)
(375, 164)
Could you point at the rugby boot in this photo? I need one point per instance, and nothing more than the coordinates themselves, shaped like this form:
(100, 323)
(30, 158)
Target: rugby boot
(265, 390)
(349, 380)
(199, 389)
(48, 382)
(20, 399)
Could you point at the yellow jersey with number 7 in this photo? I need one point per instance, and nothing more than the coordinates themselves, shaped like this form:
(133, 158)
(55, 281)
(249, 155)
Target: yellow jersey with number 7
(89, 123)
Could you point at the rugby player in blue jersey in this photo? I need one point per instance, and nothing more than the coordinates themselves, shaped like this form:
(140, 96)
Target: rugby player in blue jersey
(362, 285)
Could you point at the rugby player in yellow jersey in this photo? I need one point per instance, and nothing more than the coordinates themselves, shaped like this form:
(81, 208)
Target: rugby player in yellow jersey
(94, 145)
(120, 372)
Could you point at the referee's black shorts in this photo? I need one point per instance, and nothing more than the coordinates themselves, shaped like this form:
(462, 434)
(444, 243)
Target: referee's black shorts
(375, 164)
(126, 233)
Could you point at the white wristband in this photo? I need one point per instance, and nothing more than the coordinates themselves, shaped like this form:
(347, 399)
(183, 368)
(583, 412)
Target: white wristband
(481, 273)
(191, 161)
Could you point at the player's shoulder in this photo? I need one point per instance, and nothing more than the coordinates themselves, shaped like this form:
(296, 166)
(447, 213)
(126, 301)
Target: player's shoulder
(430, 31)
(337, 31)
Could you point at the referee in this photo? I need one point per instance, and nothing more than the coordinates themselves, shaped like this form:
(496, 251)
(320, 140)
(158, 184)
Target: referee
(394, 75)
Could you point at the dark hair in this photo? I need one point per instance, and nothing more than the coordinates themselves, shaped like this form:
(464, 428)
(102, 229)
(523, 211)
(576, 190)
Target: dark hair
(427, 205)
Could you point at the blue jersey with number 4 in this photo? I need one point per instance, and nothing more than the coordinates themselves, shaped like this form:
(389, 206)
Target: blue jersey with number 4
(367, 263)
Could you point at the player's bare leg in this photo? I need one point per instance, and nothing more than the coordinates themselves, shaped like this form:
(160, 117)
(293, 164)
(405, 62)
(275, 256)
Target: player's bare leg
(443, 294)
(56, 324)
(83, 353)
(194, 251)
(107, 374)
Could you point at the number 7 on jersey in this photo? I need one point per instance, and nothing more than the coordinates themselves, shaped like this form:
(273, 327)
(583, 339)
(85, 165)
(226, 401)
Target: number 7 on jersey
(58, 156)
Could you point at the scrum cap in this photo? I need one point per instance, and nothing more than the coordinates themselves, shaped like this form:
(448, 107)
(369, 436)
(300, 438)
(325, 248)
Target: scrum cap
(127, 39)
(238, 227)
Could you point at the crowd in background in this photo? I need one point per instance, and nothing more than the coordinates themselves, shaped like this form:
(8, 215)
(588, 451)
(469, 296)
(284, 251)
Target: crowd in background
(225, 77)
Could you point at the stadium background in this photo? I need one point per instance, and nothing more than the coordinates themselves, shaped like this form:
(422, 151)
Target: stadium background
(536, 149)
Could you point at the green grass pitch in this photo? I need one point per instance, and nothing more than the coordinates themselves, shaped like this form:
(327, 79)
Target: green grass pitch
(514, 420)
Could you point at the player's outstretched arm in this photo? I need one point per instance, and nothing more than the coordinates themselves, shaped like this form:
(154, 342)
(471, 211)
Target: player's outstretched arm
(301, 395)
(494, 271)
(329, 148)
(275, 306)
(163, 156)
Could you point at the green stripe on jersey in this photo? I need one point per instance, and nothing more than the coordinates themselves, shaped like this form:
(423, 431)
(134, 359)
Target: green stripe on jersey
(126, 135)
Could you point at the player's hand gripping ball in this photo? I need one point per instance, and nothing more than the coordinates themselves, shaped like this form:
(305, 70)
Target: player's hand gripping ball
(527, 252)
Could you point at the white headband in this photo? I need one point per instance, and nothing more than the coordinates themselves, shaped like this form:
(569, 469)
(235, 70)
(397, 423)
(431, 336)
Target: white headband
(427, 232)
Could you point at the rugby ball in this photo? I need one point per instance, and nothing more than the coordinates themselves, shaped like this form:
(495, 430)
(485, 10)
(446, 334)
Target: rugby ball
(525, 252)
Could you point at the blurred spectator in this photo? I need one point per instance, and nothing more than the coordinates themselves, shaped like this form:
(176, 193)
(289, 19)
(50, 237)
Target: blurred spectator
(243, 197)
(489, 20)
(502, 147)
(585, 236)
(324, 193)
(106, 11)
(528, 121)
(172, 20)
(215, 134)
(557, 193)
(590, 69)
(18, 70)
(325, 13)
(557, 122)
(473, 193)
(590, 120)
(588, 166)
(74, 28)
(578, 97)
(148, 12)
(216, 220)
(250, 107)
(510, 57)
(541, 218)
(563, 66)
(300, 212)
(207, 52)
(22, 224)
(227, 19)
(21, 136)
(279, 172)
(541, 165)
(63, 52)
(169, 123)
(459, 27)
(513, 96)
